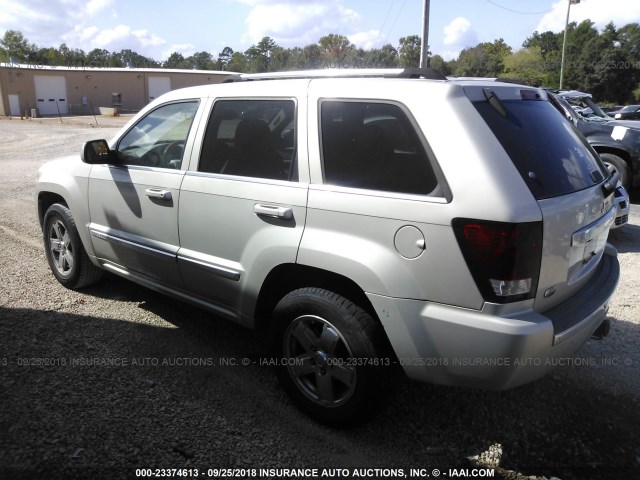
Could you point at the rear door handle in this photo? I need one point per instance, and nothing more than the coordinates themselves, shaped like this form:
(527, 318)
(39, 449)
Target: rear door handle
(273, 211)
(158, 193)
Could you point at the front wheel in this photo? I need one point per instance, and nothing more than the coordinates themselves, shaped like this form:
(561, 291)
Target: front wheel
(65, 253)
(334, 364)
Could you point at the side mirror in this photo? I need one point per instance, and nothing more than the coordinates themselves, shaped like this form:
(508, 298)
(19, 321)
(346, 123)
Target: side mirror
(97, 152)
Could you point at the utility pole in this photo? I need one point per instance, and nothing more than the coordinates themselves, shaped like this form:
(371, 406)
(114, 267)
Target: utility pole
(564, 43)
(424, 47)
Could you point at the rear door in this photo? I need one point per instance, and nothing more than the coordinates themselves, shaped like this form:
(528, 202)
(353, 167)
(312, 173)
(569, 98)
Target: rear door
(565, 176)
(243, 205)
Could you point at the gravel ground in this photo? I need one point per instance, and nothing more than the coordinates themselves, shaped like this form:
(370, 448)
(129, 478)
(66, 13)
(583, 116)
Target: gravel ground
(99, 383)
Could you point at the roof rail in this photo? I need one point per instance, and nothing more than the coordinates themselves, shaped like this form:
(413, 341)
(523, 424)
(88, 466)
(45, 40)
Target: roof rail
(236, 77)
(427, 73)
(517, 81)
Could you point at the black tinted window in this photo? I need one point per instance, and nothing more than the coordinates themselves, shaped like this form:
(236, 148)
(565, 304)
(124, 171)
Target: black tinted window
(252, 138)
(551, 156)
(373, 146)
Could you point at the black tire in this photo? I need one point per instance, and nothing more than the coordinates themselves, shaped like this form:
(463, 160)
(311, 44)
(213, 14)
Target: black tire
(619, 164)
(65, 253)
(337, 369)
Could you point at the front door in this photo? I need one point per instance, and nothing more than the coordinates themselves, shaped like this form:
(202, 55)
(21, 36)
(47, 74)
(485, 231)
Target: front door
(134, 203)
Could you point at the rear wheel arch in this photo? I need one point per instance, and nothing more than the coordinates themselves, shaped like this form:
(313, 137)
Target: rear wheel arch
(286, 278)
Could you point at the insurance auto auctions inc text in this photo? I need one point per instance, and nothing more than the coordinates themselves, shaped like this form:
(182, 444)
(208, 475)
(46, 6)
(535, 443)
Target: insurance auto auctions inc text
(332, 473)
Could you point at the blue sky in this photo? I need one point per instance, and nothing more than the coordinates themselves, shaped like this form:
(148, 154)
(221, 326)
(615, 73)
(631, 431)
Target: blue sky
(158, 28)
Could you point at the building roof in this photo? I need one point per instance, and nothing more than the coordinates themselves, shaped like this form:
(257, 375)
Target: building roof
(93, 68)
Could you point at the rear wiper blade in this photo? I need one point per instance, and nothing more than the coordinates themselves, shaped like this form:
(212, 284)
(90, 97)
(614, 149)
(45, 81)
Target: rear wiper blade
(495, 102)
(611, 184)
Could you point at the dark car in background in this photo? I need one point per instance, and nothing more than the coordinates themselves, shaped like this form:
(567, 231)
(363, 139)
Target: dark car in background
(612, 110)
(630, 112)
(616, 141)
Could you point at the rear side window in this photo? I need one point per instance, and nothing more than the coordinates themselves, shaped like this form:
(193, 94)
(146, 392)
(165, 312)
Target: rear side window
(552, 158)
(373, 146)
(251, 138)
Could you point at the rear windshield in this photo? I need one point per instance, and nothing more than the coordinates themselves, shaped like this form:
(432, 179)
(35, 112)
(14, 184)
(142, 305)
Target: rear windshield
(549, 153)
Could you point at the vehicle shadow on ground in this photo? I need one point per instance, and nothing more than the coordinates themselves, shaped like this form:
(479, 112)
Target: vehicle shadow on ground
(555, 426)
(80, 394)
(625, 238)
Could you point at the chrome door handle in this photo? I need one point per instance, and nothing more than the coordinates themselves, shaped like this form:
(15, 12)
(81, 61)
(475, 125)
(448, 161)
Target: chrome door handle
(158, 193)
(273, 211)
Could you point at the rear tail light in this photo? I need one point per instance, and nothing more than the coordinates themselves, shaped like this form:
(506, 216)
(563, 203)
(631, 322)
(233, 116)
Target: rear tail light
(504, 258)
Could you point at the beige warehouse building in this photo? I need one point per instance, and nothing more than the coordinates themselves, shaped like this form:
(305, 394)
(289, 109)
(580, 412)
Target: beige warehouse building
(45, 90)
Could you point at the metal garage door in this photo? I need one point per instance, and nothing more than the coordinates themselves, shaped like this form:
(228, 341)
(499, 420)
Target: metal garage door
(51, 94)
(158, 86)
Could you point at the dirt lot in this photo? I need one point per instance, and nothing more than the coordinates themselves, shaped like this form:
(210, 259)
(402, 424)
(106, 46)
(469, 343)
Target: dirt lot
(116, 378)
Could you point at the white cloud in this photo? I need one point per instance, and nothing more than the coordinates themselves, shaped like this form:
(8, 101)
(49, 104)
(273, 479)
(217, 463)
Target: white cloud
(620, 12)
(367, 40)
(459, 33)
(185, 49)
(85, 34)
(14, 12)
(450, 54)
(118, 38)
(290, 23)
(51, 22)
(95, 6)
(43, 20)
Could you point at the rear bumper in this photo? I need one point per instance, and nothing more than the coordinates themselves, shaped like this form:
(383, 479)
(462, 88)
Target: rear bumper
(498, 347)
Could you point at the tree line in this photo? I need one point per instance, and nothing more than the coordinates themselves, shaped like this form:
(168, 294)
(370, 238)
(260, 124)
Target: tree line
(604, 63)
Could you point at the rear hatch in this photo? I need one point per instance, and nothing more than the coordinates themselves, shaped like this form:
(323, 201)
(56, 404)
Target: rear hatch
(564, 174)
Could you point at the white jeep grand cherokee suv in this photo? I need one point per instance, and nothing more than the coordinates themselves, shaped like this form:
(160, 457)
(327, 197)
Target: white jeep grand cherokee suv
(369, 220)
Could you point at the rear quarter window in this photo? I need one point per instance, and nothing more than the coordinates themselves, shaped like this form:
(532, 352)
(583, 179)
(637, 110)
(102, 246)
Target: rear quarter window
(373, 146)
(551, 156)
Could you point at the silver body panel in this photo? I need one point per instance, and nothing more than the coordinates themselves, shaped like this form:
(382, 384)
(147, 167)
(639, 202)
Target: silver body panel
(213, 239)
(256, 244)
(131, 229)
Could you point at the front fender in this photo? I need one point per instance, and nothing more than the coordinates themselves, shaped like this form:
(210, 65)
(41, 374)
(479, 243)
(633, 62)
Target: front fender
(68, 177)
(604, 141)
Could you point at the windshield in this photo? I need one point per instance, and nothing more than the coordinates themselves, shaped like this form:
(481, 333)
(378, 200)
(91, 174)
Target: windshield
(630, 108)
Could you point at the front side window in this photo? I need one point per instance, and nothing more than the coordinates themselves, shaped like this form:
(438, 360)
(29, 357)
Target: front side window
(251, 138)
(158, 139)
(373, 146)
